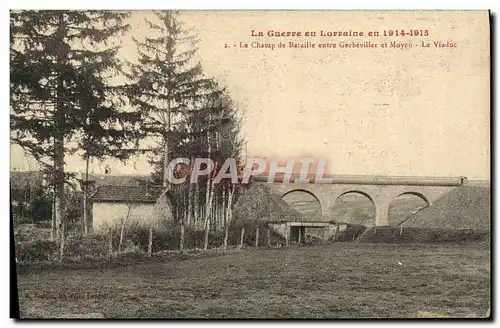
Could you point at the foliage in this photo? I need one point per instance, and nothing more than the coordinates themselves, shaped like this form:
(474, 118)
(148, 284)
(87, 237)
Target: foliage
(61, 66)
(63, 100)
(187, 114)
(36, 251)
(31, 205)
(59, 72)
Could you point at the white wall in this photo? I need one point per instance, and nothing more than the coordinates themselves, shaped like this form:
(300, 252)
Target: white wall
(108, 215)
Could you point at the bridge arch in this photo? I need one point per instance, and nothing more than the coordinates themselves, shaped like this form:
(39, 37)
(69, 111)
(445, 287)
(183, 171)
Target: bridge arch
(355, 191)
(358, 210)
(310, 193)
(404, 206)
(415, 193)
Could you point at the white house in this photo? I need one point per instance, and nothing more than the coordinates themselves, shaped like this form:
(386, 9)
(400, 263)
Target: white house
(141, 204)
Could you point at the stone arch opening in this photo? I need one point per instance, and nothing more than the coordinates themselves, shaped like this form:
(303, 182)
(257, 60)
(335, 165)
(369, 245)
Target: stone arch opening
(355, 207)
(404, 206)
(304, 202)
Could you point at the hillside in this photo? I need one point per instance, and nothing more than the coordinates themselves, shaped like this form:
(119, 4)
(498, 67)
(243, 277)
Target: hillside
(466, 207)
(258, 202)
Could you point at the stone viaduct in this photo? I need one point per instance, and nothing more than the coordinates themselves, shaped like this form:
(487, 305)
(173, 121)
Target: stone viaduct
(380, 190)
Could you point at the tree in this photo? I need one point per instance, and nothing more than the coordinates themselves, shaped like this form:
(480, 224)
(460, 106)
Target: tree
(166, 82)
(106, 130)
(59, 64)
(187, 115)
(167, 85)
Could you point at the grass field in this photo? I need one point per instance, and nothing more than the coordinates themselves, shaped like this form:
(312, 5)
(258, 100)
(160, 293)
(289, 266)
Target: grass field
(342, 280)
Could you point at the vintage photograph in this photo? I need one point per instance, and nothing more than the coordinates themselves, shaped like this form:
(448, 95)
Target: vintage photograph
(250, 164)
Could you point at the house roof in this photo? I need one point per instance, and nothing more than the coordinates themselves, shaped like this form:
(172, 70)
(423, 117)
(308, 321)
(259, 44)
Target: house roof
(133, 194)
(117, 180)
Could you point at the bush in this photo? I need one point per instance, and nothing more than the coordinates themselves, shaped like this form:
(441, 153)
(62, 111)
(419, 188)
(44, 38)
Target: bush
(86, 246)
(36, 251)
(135, 241)
(30, 232)
(352, 232)
(168, 238)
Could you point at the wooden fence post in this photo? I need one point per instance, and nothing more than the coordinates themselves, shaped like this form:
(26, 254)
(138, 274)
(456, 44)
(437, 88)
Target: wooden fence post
(257, 237)
(110, 244)
(287, 235)
(268, 238)
(62, 242)
(241, 239)
(181, 243)
(225, 237)
(150, 242)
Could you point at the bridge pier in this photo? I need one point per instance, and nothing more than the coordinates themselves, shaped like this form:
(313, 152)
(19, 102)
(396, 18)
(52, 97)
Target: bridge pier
(382, 211)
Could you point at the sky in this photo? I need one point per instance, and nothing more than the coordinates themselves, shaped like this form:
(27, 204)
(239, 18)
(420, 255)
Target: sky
(419, 111)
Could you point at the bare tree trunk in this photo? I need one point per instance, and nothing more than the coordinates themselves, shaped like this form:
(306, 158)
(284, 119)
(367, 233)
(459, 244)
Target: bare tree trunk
(226, 230)
(207, 201)
(205, 242)
(184, 207)
(229, 215)
(61, 249)
(208, 214)
(181, 245)
(241, 238)
(224, 202)
(53, 230)
(208, 211)
(220, 207)
(150, 242)
(190, 205)
(221, 211)
(110, 244)
(59, 172)
(176, 214)
(215, 210)
(85, 197)
(224, 217)
(230, 204)
(196, 208)
(59, 138)
(208, 196)
(166, 178)
(183, 220)
(123, 227)
(268, 237)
